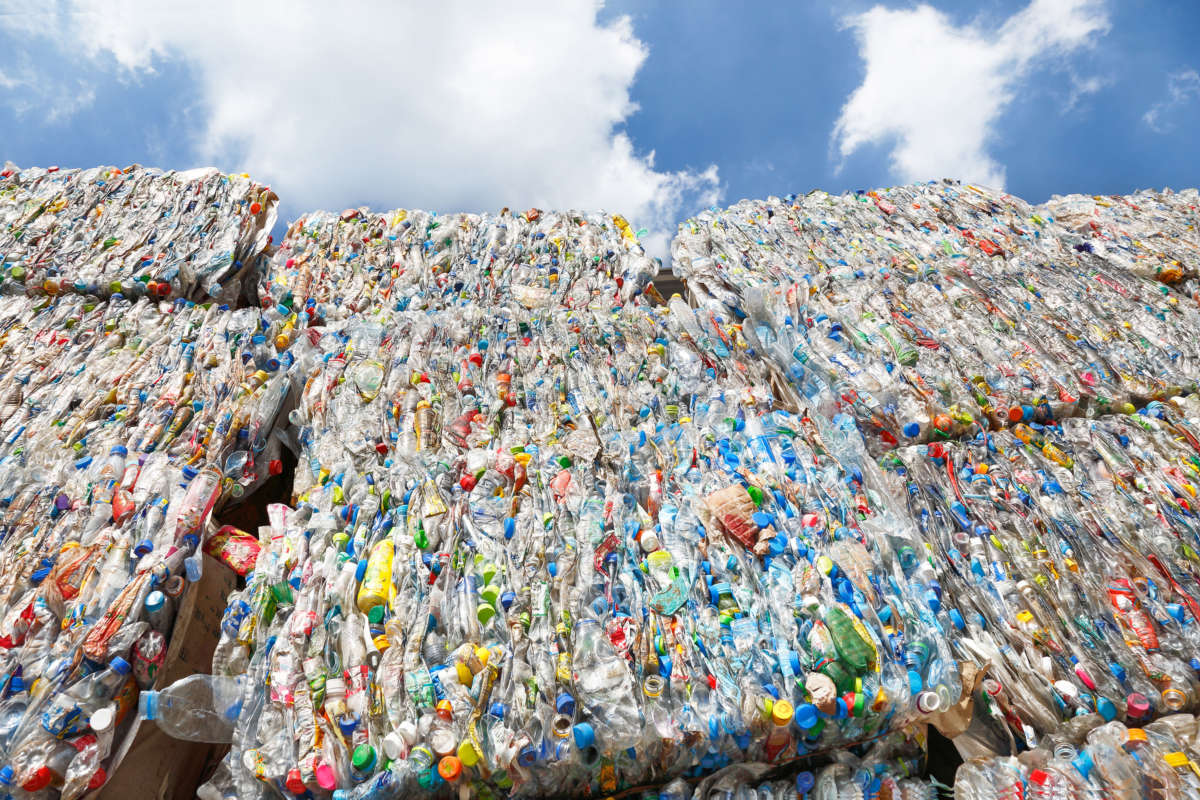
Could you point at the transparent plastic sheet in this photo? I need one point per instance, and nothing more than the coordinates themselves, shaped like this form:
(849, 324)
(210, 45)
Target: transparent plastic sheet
(134, 231)
(548, 537)
(124, 425)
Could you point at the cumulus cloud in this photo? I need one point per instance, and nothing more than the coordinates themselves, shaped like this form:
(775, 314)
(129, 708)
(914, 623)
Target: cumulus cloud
(1182, 88)
(934, 91)
(453, 105)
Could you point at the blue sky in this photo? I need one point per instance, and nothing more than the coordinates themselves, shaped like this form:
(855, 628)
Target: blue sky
(457, 106)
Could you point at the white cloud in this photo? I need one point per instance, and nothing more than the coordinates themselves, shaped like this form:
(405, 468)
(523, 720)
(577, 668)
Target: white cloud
(453, 105)
(1182, 87)
(30, 92)
(934, 91)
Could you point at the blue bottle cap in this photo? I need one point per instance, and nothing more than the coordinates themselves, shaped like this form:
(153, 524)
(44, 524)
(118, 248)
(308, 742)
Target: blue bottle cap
(120, 666)
(912, 429)
(807, 715)
(143, 547)
(805, 782)
(347, 723)
(584, 735)
(565, 704)
(119, 450)
(1106, 709)
(507, 599)
(528, 755)
(498, 710)
(1083, 763)
(6, 776)
(155, 601)
(915, 684)
(360, 570)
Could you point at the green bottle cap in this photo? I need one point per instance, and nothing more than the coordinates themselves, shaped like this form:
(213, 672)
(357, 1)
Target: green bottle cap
(485, 612)
(364, 758)
(755, 494)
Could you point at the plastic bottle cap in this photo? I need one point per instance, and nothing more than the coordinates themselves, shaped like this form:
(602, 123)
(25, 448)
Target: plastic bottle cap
(155, 601)
(466, 753)
(120, 666)
(39, 780)
(1137, 704)
(325, 777)
(1106, 709)
(584, 735)
(99, 778)
(408, 732)
(103, 718)
(781, 712)
(806, 715)
(1135, 735)
(6, 776)
(363, 758)
(295, 783)
(450, 768)
(565, 704)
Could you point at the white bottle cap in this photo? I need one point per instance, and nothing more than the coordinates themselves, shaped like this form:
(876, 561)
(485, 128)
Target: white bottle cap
(408, 731)
(394, 746)
(103, 718)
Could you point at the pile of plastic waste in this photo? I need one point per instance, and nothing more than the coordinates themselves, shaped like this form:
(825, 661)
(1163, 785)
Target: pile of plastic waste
(123, 425)
(133, 231)
(937, 310)
(1089, 757)
(1152, 234)
(560, 540)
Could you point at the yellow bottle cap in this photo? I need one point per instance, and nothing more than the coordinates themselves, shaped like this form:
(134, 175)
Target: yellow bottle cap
(781, 713)
(1136, 735)
(1176, 759)
(465, 676)
(466, 753)
(483, 654)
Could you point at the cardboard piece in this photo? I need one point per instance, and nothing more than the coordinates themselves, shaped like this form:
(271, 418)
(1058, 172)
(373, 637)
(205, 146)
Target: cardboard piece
(148, 764)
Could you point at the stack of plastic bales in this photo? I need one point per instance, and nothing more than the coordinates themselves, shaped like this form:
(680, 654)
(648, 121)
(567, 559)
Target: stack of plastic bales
(1091, 758)
(936, 310)
(125, 421)
(134, 231)
(549, 538)
(1056, 541)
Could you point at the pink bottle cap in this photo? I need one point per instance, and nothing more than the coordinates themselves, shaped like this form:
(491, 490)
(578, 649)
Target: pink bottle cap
(1138, 705)
(325, 777)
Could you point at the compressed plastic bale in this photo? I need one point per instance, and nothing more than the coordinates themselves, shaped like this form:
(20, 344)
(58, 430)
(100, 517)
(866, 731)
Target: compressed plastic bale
(1093, 757)
(124, 426)
(136, 231)
(1062, 561)
(330, 266)
(935, 309)
(497, 520)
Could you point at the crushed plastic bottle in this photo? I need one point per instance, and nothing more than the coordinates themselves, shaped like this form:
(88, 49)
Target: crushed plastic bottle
(133, 231)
